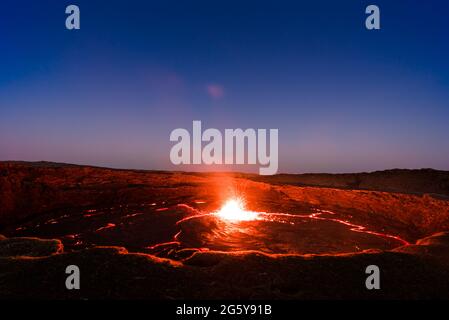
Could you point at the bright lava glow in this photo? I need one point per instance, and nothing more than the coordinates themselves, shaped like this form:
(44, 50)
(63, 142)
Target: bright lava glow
(234, 210)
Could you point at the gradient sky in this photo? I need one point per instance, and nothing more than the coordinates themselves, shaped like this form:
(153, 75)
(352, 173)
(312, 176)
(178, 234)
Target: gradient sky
(345, 99)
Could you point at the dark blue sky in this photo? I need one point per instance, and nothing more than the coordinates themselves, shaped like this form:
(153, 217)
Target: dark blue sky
(345, 99)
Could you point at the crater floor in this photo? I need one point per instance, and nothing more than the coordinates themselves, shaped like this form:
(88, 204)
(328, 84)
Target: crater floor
(173, 230)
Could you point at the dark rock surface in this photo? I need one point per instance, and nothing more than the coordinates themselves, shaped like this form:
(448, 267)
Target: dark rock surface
(29, 247)
(409, 272)
(411, 204)
(28, 190)
(397, 180)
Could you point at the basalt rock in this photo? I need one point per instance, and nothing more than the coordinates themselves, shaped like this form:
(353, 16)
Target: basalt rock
(32, 267)
(28, 190)
(114, 273)
(29, 247)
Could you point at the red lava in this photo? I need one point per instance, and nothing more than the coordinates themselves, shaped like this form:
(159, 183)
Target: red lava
(317, 232)
(178, 230)
(109, 225)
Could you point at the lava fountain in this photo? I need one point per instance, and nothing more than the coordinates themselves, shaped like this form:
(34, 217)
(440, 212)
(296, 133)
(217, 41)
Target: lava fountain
(234, 211)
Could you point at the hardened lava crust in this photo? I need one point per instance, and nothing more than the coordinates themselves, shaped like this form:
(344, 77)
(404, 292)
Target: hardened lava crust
(153, 235)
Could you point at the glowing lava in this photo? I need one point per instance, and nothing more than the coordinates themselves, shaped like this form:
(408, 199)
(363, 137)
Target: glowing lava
(234, 210)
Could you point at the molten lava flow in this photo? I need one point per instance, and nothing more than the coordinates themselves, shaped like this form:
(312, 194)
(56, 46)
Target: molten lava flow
(234, 210)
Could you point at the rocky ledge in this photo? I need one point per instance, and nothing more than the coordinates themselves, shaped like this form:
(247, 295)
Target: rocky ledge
(32, 267)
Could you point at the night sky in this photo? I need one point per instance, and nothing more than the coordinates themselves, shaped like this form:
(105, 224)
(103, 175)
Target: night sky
(344, 99)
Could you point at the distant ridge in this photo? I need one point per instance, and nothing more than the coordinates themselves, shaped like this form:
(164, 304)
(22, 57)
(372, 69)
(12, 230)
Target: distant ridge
(416, 181)
(430, 181)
